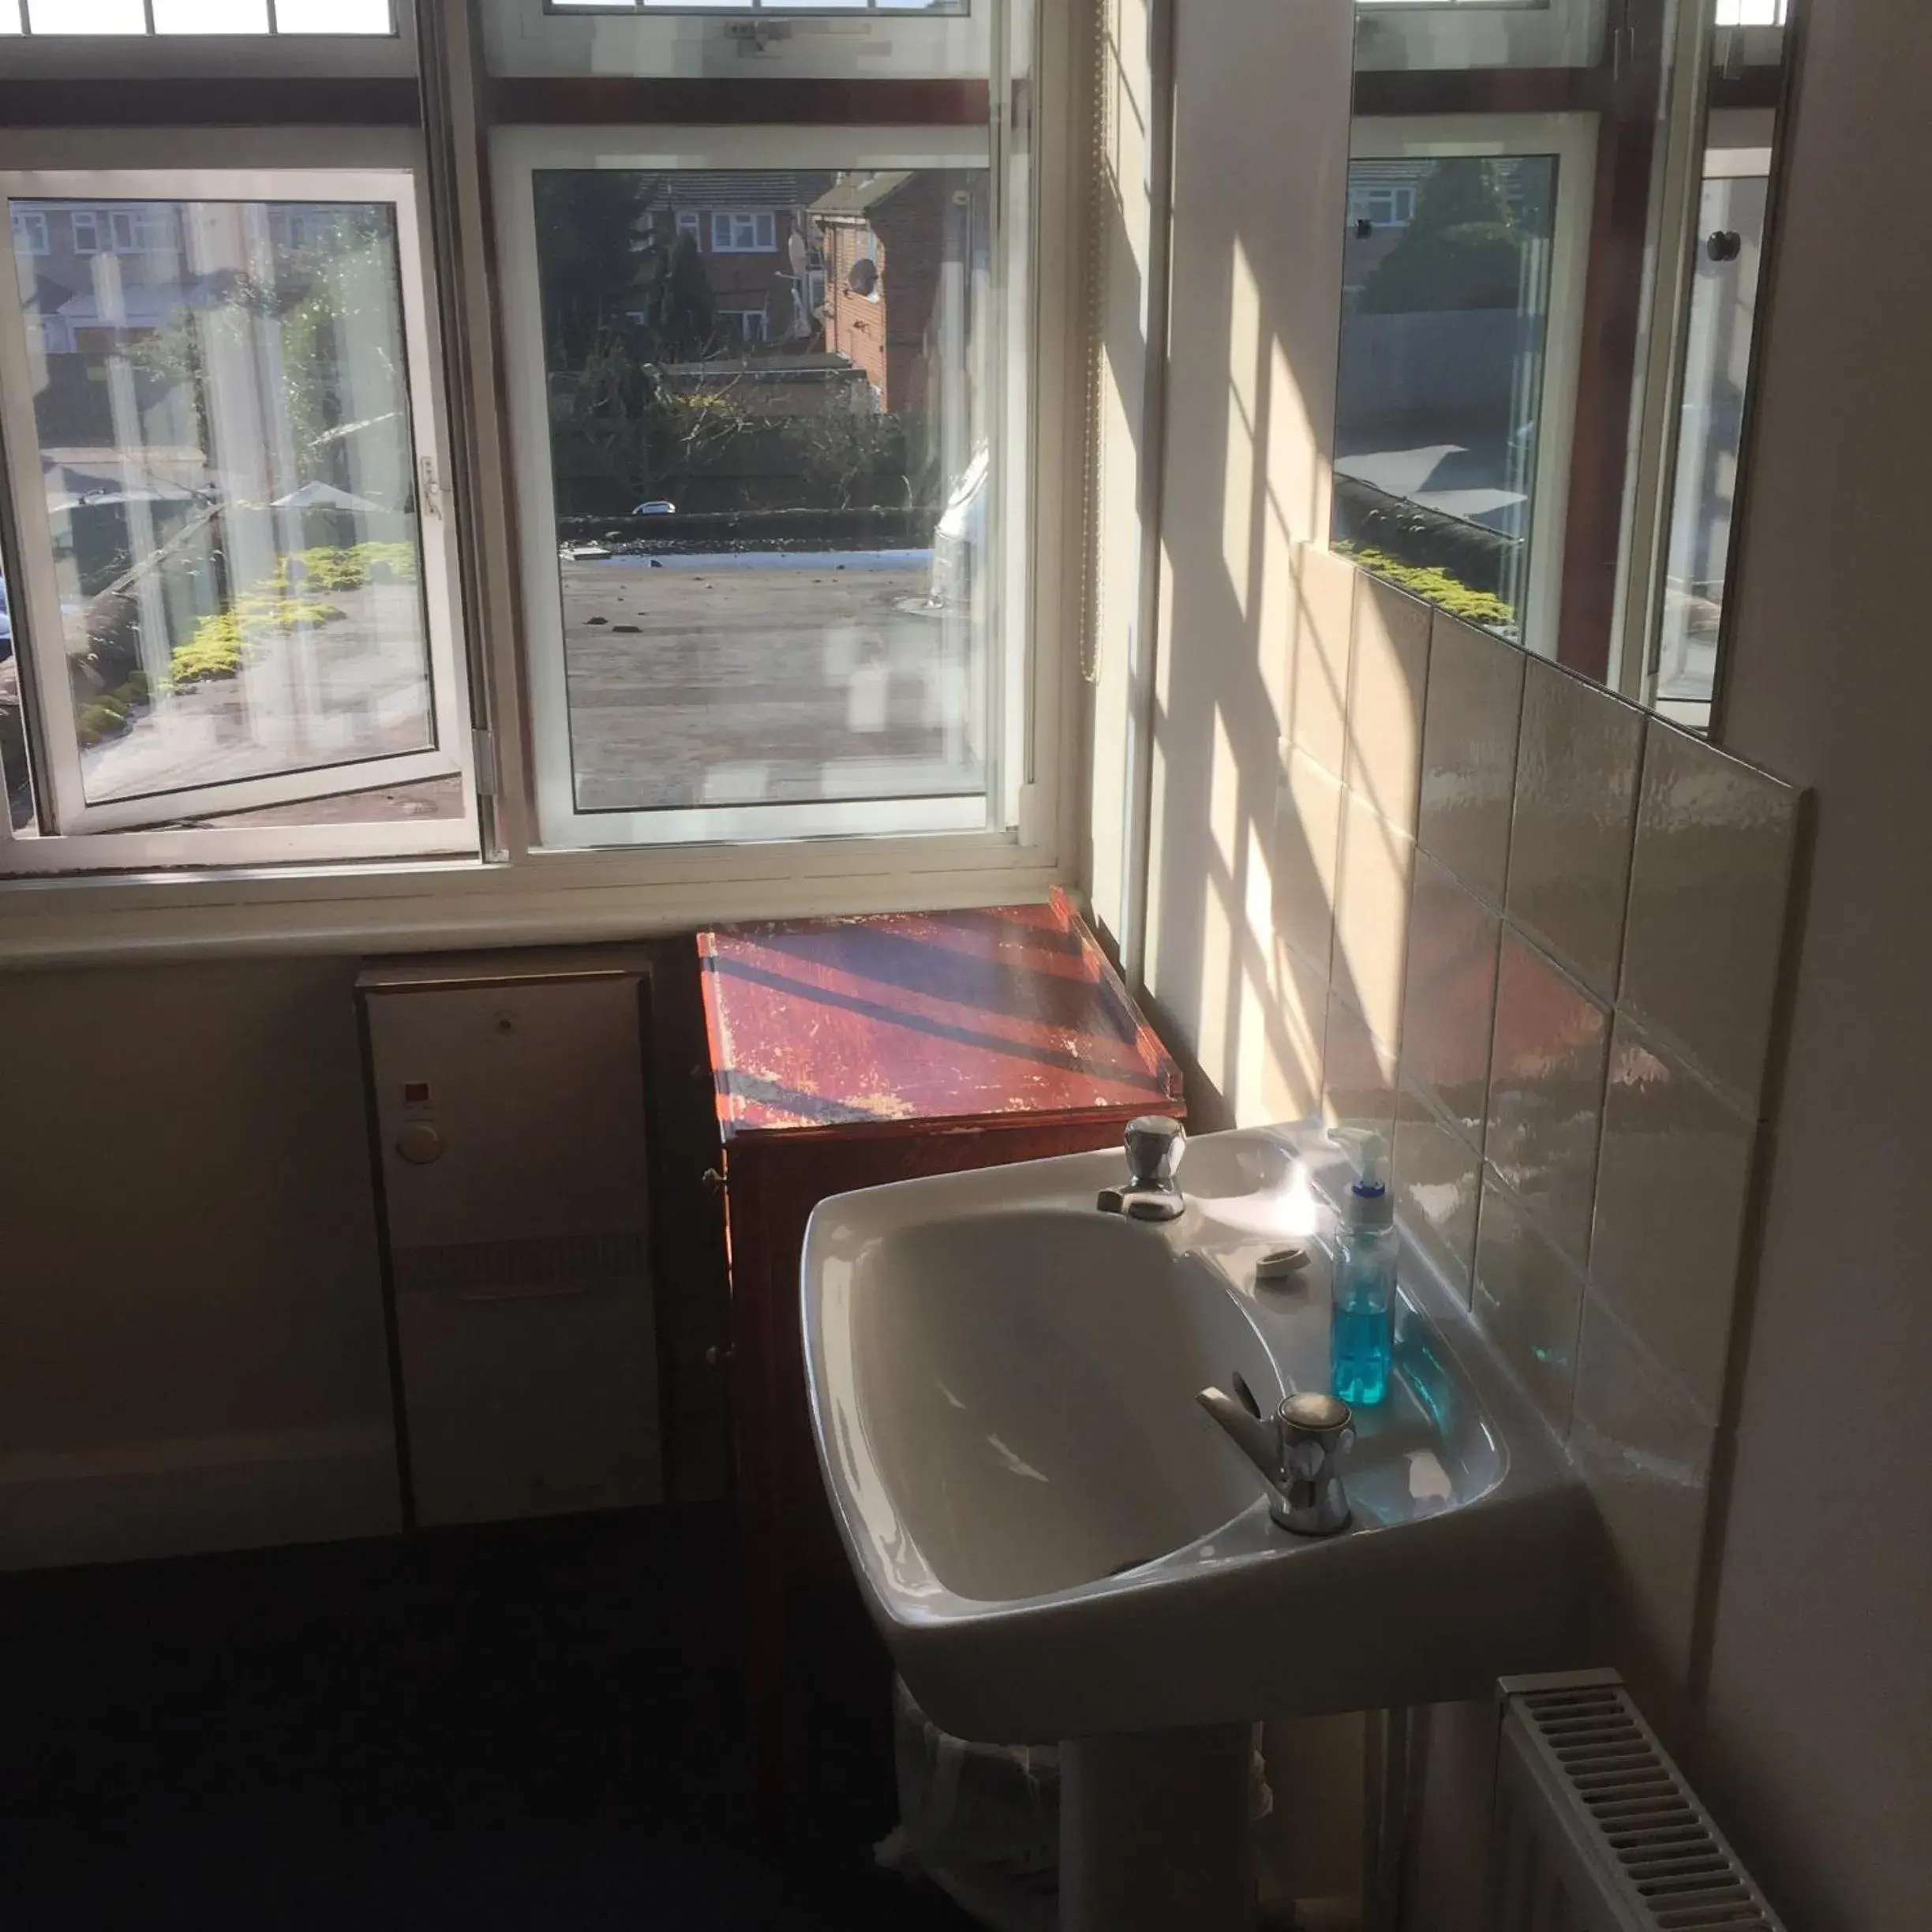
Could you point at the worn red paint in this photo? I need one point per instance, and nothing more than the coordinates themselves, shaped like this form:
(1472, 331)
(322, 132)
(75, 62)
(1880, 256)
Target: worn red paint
(854, 1025)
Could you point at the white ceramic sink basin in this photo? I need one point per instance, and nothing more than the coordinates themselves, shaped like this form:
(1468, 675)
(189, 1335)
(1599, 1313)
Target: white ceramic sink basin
(1058, 1543)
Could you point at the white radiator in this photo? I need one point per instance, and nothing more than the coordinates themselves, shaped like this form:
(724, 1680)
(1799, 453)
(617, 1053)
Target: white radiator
(1596, 1829)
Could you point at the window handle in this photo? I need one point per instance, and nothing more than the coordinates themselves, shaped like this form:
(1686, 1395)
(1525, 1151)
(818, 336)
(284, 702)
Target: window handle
(429, 492)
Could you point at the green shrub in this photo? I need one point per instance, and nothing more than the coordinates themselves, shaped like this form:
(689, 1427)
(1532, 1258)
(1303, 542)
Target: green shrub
(329, 568)
(1482, 607)
(223, 643)
(106, 716)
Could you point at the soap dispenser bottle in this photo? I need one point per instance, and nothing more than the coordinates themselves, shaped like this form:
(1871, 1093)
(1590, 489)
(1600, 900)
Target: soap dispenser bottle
(1363, 1281)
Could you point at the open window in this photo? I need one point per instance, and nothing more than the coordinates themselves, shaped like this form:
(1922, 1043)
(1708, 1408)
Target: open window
(231, 589)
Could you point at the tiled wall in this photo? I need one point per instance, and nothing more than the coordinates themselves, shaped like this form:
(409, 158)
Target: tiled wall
(1541, 932)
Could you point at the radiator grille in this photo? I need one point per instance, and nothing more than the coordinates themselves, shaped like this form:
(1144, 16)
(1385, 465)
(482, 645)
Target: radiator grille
(1596, 1829)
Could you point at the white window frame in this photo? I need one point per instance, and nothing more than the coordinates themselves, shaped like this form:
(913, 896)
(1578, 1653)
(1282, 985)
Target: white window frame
(726, 221)
(161, 57)
(91, 218)
(760, 328)
(1572, 138)
(122, 835)
(31, 221)
(1012, 821)
(690, 222)
(518, 892)
(1395, 192)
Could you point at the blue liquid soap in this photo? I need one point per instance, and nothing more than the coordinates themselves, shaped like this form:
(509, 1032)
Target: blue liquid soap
(1363, 1283)
(1358, 1355)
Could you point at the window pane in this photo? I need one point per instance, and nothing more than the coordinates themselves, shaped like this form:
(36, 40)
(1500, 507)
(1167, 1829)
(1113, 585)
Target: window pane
(334, 16)
(1717, 367)
(223, 415)
(773, 532)
(15, 774)
(198, 16)
(1446, 292)
(87, 16)
(193, 17)
(714, 6)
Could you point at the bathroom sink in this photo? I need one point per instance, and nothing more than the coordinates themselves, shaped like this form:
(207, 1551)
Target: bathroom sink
(1058, 1543)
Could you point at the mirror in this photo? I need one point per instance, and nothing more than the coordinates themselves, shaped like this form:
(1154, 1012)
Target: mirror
(1556, 219)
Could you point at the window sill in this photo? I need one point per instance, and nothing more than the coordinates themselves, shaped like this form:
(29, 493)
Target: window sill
(556, 898)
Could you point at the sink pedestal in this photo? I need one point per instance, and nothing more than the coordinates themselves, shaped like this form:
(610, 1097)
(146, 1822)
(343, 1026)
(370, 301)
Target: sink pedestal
(1153, 1832)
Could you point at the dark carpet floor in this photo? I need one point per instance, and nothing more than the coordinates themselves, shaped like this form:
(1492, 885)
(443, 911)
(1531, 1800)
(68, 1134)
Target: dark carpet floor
(525, 1727)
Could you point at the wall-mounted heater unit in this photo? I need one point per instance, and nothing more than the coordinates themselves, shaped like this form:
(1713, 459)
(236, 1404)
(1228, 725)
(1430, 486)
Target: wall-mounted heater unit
(506, 1103)
(1596, 1830)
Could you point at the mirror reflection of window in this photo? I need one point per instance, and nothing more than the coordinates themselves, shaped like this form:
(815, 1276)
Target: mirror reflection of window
(1731, 229)
(1446, 278)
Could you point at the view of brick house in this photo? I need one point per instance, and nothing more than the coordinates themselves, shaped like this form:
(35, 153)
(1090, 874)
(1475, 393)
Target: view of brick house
(887, 238)
(744, 223)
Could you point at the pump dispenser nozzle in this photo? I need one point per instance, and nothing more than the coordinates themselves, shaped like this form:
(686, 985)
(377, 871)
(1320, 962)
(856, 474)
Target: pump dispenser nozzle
(1368, 1154)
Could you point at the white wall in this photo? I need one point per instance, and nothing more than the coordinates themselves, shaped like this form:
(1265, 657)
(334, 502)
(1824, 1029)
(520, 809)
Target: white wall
(191, 1336)
(1260, 183)
(1818, 1710)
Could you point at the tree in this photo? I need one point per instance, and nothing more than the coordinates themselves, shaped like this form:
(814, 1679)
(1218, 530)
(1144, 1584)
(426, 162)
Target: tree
(681, 315)
(590, 224)
(1463, 249)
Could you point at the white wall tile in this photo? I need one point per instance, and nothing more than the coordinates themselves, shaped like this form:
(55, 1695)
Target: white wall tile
(1577, 764)
(1671, 1191)
(1372, 915)
(1645, 1453)
(1546, 1084)
(1449, 997)
(1709, 885)
(1307, 850)
(1298, 1026)
(1468, 753)
(1358, 1072)
(1438, 1180)
(1388, 677)
(1318, 656)
(1529, 1300)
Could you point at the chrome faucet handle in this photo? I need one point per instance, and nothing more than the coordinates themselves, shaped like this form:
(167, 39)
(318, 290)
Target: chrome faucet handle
(1297, 1450)
(1317, 1431)
(1154, 1145)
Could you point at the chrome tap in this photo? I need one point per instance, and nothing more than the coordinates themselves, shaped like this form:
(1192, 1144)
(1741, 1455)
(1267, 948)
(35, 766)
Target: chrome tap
(1154, 1145)
(1298, 1450)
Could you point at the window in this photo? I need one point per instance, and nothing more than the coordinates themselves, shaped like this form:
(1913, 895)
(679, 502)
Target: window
(243, 637)
(232, 597)
(1381, 204)
(788, 6)
(1681, 676)
(30, 232)
(735, 233)
(147, 17)
(802, 645)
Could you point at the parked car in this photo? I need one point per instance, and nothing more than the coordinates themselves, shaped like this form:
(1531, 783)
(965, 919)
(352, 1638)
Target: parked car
(656, 506)
(960, 536)
(6, 625)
